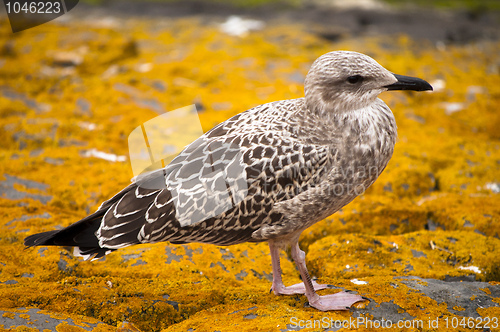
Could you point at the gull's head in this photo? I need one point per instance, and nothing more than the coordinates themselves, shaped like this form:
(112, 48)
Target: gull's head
(343, 81)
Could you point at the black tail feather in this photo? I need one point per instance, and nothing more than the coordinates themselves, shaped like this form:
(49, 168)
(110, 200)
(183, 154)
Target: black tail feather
(81, 234)
(39, 239)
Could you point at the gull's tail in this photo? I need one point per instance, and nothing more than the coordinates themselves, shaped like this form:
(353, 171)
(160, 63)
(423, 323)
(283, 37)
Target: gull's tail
(81, 235)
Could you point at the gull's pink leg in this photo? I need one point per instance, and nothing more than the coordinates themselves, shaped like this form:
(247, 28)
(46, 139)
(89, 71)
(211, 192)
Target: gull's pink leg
(278, 288)
(338, 301)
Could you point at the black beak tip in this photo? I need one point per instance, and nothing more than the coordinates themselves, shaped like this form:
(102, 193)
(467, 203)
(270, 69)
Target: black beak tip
(424, 85)
(409, 83)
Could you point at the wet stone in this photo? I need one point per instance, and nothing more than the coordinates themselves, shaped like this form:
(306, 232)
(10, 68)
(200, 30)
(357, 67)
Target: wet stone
(456, 294)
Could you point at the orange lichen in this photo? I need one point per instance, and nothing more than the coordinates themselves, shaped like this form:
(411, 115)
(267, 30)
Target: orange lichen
(8, 315)
(127, 327)
(486, 290)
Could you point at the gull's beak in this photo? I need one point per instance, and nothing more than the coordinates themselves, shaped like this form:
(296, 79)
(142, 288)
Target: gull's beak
(409, 83)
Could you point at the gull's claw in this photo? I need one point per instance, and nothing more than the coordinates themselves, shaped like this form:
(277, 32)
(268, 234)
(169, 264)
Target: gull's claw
(296, 289)
(337, 301)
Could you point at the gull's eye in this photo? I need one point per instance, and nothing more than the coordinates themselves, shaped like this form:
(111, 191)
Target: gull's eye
(354, 79)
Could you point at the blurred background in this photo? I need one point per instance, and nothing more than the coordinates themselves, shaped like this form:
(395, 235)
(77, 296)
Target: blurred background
(73, 89)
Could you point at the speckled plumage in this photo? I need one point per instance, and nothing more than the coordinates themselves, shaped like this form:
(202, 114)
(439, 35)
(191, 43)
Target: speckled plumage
(283, 166)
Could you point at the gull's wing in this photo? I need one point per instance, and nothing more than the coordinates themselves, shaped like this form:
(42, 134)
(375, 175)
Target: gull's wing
(219, 189)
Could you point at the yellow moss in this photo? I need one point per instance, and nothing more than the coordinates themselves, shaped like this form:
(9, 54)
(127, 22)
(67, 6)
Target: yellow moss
(127, 327)
(491, 312)
(9, 315)
(354, 256)
(64, 327)
(486, 290)
(24, 329)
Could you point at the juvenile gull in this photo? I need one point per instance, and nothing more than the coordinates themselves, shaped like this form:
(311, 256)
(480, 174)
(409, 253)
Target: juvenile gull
(302, 160)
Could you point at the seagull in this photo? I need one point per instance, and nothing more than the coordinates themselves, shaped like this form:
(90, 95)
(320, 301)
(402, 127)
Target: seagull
(265, 174)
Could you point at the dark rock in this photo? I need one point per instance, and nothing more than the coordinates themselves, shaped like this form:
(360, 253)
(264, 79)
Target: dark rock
(242, 274)
(456, 294)
(172, 256)
(417, 253)
(8, 191)
(42, 320)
